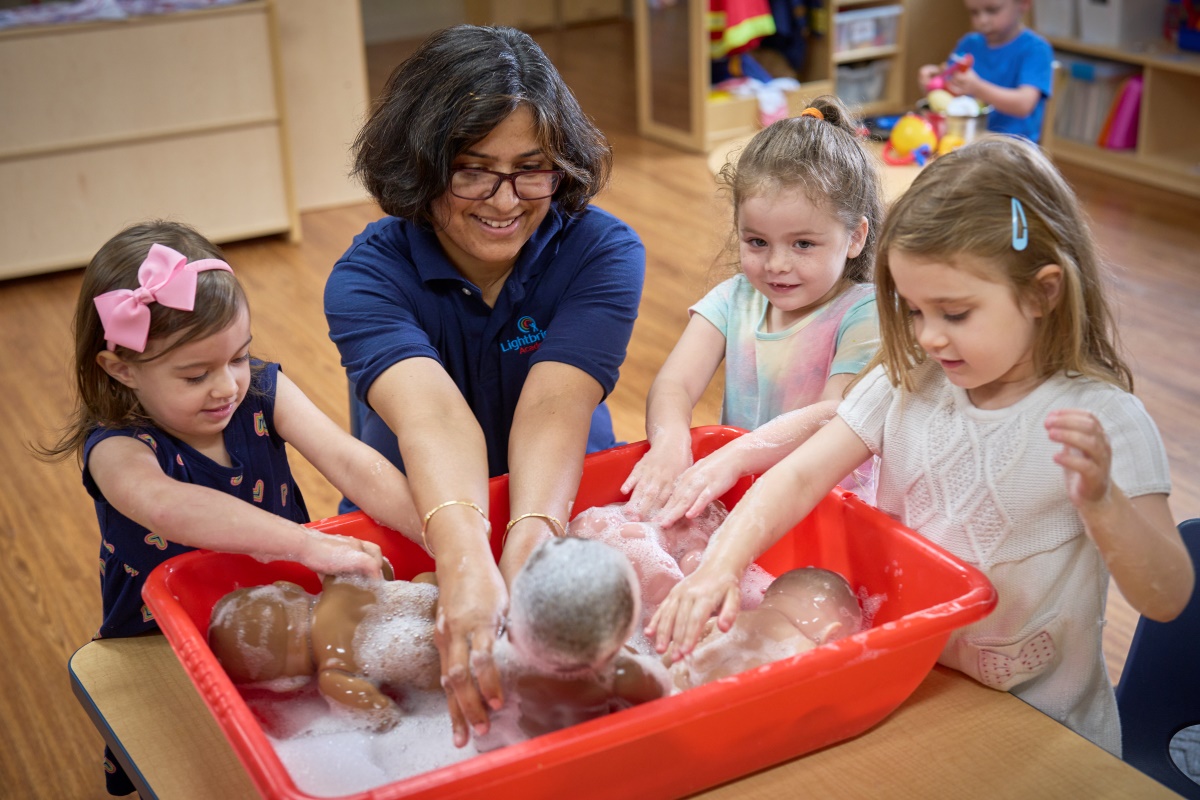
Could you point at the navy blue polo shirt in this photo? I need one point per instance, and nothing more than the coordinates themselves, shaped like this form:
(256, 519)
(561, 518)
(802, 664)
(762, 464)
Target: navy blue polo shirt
(572, 297)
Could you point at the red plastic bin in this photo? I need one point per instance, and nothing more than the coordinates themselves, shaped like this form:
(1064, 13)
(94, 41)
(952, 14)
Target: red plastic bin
(670, 747)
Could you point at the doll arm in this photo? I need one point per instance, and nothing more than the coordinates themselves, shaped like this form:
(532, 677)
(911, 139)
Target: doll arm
(129, 475)
(1137, 537)
(776, 502)
(677, 388)
(371, 482)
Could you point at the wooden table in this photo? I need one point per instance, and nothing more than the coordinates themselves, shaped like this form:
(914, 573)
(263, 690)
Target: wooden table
(951, 738)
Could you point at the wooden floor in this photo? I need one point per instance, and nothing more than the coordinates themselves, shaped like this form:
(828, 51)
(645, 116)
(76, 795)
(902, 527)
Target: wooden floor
(49, 599)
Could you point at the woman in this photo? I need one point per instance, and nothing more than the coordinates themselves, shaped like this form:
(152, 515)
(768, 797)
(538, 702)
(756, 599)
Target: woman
(483, 322)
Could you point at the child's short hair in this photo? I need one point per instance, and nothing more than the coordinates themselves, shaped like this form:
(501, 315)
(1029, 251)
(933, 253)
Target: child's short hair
(963, 204)
(824, 157)
(453, 91)
(574, 602)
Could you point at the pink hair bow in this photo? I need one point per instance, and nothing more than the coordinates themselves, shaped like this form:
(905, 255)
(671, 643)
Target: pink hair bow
(166, 278)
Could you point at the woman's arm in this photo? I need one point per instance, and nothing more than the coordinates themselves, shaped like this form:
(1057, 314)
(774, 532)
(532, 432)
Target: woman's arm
(545, 454)
(772, 506)
(1137, 537)
(677, 388)
(131, 479)
(445, 457)
(357, 470)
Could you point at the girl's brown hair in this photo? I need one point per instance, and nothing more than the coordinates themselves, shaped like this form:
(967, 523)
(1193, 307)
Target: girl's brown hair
(823, 157)
(100, 400)
(962, 204)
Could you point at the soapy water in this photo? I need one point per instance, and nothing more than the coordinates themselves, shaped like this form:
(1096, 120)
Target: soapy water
(331, 751)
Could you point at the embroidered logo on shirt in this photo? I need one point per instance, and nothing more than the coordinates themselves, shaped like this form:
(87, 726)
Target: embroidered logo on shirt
(530, 339)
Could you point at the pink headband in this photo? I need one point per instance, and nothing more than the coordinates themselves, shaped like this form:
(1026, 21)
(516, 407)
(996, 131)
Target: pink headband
(166, 278)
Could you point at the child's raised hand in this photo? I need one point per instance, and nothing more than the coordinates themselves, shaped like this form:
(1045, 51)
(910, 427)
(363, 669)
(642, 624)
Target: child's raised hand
(1086, 455)
(331, 554)
(964, 83)
(681, 618)
(927, 73)
(653, 478)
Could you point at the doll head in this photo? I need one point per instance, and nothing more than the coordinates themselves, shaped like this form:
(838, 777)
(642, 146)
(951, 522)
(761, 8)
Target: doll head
(574, 603)
(818, 602)
(262, 633)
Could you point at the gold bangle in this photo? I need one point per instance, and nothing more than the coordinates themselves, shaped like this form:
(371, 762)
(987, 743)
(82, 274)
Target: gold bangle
(554, 523)
(437, 508)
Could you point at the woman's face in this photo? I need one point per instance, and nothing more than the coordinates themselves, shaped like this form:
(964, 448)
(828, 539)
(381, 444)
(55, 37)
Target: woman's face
(483, 237)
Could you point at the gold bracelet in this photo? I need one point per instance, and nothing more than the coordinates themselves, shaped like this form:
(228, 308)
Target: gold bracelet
(554, 523)
(435, 509)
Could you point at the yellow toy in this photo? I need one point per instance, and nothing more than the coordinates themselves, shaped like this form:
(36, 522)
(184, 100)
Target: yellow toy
(912, 139)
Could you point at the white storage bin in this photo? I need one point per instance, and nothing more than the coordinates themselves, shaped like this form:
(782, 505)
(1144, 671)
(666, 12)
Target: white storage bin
(1121, 23)
(862, 83)
(1056, 18)
(865, 27)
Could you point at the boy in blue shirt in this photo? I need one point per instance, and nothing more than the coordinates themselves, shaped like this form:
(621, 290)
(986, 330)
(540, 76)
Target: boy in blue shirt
(1012, 67)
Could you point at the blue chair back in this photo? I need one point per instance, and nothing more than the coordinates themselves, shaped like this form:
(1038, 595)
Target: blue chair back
(1159, 691)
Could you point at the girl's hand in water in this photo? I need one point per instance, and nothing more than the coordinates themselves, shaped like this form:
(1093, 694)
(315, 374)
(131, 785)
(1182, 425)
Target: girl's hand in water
(331, 554)
(681, 617)
(700, 484)
(1086, 456)
(472, 601)
(653, 478)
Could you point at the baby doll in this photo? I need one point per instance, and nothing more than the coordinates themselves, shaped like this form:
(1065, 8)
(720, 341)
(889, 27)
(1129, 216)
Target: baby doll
(802, 608)
(364, 641)
(661, 556)
(573, 605)
(563, 661)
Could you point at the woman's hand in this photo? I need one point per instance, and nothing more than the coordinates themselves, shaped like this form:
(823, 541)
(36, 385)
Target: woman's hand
(472, 601)
(331, 554)
(652, 479)
(681, 618)
(1086, 456)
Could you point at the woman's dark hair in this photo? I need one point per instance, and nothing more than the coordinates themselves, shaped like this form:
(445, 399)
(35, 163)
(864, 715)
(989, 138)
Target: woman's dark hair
(453, 91)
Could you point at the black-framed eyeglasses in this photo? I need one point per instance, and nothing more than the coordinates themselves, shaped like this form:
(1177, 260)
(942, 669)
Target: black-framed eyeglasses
(480, 184)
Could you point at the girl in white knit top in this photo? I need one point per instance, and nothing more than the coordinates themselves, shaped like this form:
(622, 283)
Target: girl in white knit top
(1006, 430)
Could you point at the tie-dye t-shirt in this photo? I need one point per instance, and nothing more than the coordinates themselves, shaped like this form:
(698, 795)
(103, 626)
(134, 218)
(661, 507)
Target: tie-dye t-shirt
(260, 474)
(767, 374)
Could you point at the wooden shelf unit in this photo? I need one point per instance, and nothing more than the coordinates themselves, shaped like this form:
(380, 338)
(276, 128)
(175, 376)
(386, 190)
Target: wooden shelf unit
(110, 123)
(824, 60)
(1168, 150)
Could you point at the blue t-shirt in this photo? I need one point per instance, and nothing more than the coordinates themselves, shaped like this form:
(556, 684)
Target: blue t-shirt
(1025, 61)
(572, 297)
(260, 475)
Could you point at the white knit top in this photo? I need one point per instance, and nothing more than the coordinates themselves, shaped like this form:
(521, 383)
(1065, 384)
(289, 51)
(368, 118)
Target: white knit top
(983, 484)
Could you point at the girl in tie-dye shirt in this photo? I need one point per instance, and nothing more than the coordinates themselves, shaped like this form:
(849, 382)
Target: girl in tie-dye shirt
(793, 326)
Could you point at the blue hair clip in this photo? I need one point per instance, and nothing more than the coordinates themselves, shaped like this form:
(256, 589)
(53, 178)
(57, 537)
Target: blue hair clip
(1020, 229)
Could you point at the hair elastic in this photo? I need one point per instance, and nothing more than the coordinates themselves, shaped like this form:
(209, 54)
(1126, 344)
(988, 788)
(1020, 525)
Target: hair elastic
(437, 508)
(812, 112)
(1020, 228)
(165, 277)
(561, 532)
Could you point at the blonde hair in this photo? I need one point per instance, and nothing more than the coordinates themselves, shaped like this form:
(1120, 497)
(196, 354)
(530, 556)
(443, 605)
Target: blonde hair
(823, 156)
(962, 204)
(100, 400)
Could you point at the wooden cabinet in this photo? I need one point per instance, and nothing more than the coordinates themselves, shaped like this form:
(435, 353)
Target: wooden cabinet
(865, 42)
(106, 124)
(1168, 150)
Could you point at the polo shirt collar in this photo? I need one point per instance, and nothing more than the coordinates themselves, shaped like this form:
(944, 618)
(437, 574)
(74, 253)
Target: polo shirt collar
(432, 265)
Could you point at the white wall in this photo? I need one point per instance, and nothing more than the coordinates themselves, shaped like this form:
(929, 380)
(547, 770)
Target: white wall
(390, 20)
